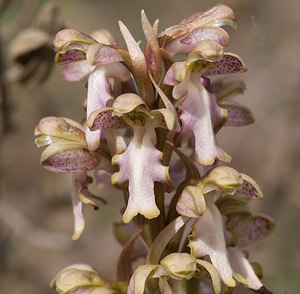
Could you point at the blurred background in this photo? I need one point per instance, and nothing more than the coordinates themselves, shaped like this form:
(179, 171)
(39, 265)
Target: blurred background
(36, 221)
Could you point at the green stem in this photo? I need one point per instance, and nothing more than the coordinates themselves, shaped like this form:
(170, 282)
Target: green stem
(192, 286)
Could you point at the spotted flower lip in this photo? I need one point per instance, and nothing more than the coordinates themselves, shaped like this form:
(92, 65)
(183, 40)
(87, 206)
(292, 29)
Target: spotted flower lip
(67, 150)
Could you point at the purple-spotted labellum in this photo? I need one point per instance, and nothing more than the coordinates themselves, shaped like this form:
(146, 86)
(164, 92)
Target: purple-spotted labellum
(151, 131)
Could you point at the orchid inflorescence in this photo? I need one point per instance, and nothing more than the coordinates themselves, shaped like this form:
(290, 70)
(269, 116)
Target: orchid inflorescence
(150, 129)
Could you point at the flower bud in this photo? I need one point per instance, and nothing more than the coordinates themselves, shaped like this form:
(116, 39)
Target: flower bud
(75, 276)
(222, 178)
(179, 265)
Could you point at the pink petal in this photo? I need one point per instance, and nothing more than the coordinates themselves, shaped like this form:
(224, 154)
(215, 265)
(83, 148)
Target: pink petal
(206, 33)
(196, 117)
(103, 179)
(208, 239)
(77, 71)
(99, 54)
(185, 44)
(141, 166)
(242, 266)
(99, 93)
(218, 114)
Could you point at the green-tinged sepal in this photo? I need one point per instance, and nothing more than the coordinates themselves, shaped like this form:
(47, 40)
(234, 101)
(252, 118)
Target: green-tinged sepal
(205, 51)
(68, 36)
(179, 265)
(191, 202)
(58, 129)
(222, 178)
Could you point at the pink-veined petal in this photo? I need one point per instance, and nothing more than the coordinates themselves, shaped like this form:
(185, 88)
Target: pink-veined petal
(77, 71)
(100, 54)
(185, 44)
(141, 166)
(208, 239)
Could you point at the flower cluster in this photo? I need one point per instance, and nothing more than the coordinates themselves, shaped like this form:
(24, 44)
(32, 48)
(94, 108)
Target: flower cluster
(150, 127)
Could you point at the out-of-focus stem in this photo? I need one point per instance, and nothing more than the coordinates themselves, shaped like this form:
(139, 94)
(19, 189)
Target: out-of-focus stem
(4, 104)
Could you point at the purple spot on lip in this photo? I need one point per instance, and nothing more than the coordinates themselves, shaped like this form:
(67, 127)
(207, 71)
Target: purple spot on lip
(71, 56)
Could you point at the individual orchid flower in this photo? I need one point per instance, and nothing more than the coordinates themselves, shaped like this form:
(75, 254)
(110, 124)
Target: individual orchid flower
(95, 62)
(140, 154)
(67, 153)
(181, 38)
(175, 266)
(198, 111)
(67, 150)
(209, 232)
